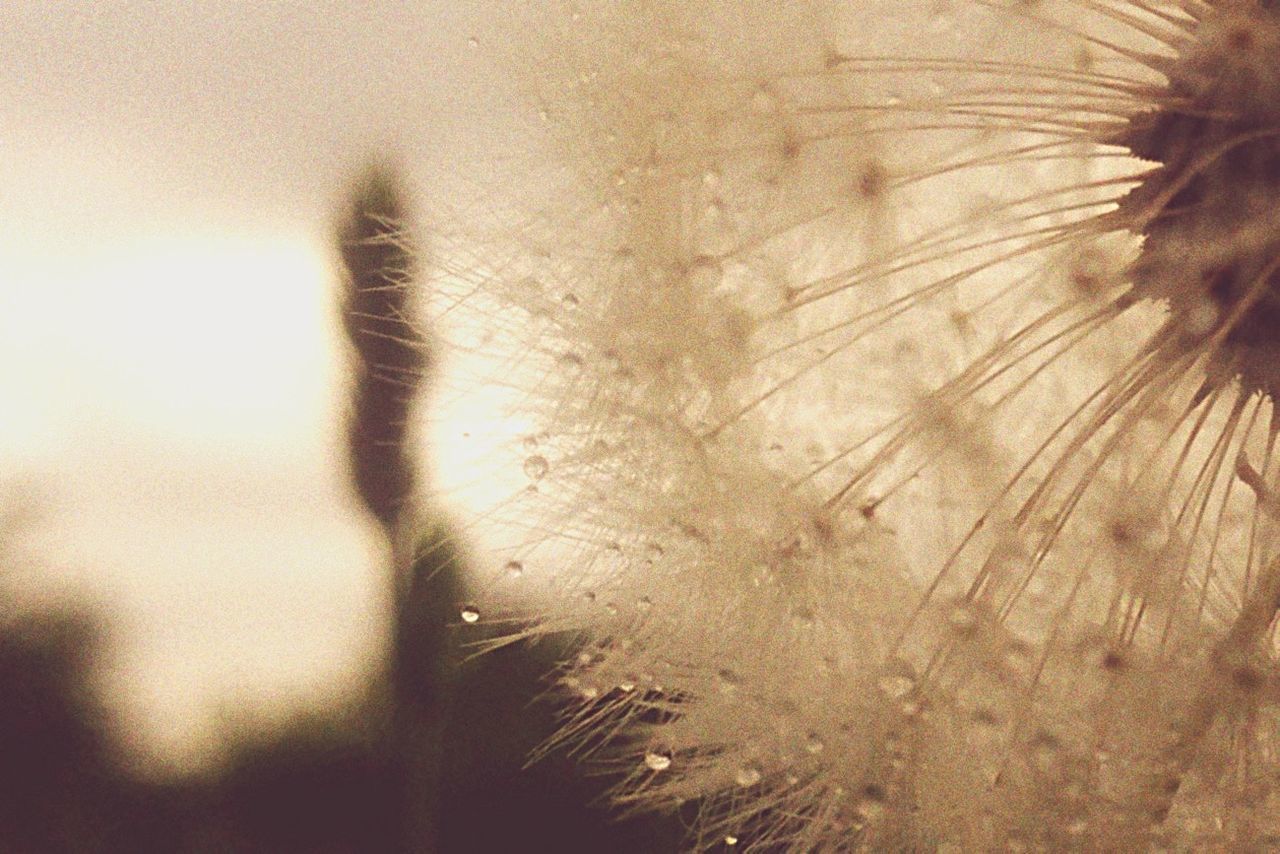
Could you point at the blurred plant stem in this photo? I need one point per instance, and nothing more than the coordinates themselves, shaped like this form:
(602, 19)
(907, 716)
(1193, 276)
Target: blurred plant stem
(392, 359)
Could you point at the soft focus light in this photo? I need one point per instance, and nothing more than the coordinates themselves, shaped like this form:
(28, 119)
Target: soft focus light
(177, 403)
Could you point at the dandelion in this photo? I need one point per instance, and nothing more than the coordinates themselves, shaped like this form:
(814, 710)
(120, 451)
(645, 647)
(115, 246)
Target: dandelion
(901, 381)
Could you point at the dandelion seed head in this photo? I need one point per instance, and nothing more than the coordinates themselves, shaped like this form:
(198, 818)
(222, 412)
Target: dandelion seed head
(1208, 213)
(893, 453)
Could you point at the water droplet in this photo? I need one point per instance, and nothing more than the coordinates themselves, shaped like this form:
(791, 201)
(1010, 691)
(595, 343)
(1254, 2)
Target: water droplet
(764, 101)
(986, 721)
(530, 443)
(748, 775)
(536, 467)
(612, 362)
(1045, 752)
(731, 840)
(715, 213)
(761, 574)
(589, 596)
(473, 42)
(813, 745)
(514, 569)
(627, 685)
(644, 603)
(705, 273)
(653, 552)
(896, 685)
(871, 805)
(728, 681)
(656, 761)
(470, 613)
(963, 620)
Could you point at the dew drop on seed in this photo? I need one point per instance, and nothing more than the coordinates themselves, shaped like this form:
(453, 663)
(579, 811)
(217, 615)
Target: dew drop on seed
(895, 686)
(962, 620)
(764, 101)
(514, 569)
(612, 362)
(714, 213)
(536, 467)
(748, 775)
(1045, 752)
(705, 273)
(656, 761)
(470, 613)
(871, 806)
(728, 680)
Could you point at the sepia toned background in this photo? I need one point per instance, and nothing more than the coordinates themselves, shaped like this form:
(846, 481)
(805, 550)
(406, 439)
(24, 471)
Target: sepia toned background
(170, 371)
(197, 615)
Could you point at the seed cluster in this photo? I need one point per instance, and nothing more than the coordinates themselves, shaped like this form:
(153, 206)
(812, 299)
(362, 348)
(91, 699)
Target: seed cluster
(1210, 213)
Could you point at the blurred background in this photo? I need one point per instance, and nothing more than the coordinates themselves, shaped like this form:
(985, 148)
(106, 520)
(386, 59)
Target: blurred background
(206, 643)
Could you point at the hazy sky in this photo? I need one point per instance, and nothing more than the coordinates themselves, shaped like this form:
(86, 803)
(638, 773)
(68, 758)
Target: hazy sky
(169, 374)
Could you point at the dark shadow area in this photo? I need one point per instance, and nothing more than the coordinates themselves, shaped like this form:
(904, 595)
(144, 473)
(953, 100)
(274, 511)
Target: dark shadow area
(328, 781)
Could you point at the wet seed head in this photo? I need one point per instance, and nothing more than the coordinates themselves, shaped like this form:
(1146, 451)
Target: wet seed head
(1209, 213)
